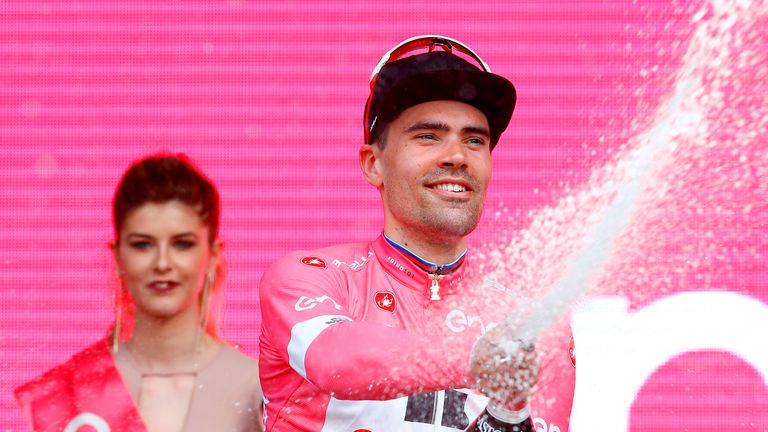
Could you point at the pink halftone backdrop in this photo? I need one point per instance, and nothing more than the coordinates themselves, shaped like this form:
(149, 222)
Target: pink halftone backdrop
(267, 97)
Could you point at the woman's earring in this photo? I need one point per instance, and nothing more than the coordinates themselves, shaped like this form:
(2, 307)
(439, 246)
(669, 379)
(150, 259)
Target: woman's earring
(117, 328)
(205, 300)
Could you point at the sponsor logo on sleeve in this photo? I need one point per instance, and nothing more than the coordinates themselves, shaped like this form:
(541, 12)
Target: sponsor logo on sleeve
(307, 303)
(336, 320)
(572, 351)
(385, 301)
(356, 264)
(313, 261)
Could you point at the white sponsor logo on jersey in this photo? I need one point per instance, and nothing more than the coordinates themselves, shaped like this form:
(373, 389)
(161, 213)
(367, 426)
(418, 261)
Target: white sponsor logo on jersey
(458, 321)
(307, 303)
(356, 264)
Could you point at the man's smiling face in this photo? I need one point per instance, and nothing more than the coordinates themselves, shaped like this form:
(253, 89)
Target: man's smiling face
(434, 168)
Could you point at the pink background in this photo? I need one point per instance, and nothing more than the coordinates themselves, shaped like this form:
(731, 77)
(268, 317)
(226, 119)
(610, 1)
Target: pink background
(267, 97)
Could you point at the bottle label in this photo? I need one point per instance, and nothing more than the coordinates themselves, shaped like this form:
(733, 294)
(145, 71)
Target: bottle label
(487, 423)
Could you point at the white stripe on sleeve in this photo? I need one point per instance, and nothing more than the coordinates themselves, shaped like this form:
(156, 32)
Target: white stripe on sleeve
(302, 335)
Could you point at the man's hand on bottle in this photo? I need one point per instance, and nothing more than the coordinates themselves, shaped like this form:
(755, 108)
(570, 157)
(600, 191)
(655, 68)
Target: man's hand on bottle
(504, 368)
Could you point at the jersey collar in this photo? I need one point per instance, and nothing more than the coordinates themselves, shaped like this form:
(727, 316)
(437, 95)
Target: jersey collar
(425, 265)
(401, 265)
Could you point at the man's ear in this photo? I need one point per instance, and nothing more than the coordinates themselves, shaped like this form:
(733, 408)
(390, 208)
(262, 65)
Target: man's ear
(370, 164)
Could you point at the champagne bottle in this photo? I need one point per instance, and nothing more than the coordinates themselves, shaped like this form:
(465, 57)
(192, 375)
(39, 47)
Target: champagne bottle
(500, 418)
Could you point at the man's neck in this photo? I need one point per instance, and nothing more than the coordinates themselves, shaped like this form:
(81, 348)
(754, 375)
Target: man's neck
(440, 251)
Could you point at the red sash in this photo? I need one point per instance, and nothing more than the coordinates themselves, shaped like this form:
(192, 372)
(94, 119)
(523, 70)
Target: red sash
(85, 391)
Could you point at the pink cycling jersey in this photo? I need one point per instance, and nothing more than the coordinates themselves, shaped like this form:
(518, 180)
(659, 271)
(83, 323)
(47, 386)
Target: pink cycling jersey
(358, 337)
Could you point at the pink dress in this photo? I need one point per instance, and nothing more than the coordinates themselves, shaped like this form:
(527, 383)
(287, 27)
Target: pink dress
(90, 389)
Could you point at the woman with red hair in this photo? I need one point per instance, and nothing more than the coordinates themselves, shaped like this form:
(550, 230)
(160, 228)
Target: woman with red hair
(163, 366)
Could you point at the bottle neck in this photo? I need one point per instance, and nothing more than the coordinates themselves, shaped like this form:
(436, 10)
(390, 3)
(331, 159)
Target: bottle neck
(511, 415)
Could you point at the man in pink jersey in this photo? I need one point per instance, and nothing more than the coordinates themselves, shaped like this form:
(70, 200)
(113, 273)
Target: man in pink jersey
(377, 336)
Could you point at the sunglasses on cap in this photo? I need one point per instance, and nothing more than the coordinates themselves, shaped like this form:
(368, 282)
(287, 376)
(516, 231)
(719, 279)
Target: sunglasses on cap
(424, 42)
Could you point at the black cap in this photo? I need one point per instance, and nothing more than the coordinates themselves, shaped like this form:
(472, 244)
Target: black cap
(438, 75)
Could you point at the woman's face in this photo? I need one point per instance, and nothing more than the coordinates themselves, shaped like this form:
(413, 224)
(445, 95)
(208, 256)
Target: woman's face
(163, 256)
